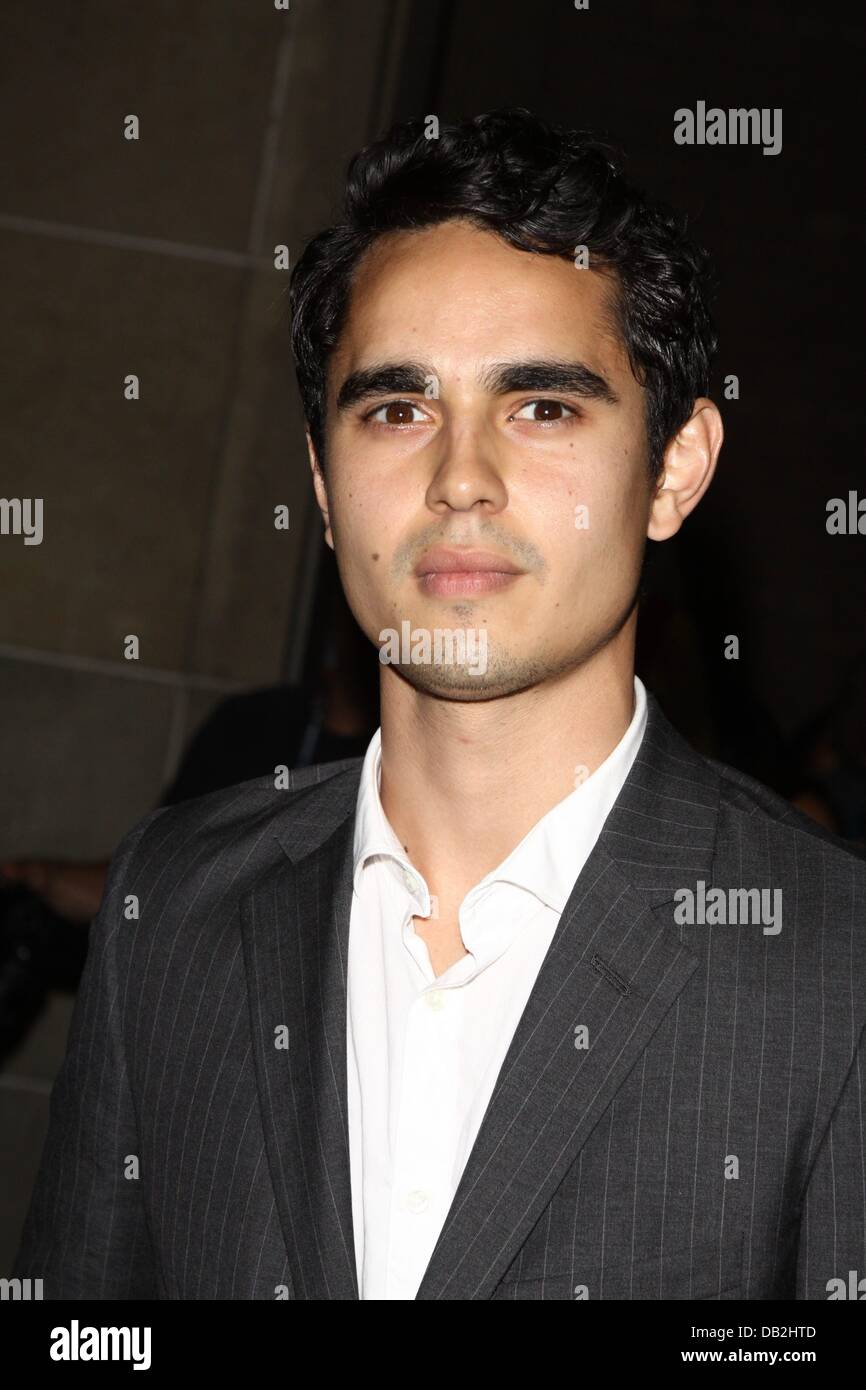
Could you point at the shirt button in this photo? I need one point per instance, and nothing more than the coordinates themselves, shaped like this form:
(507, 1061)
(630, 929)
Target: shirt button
(417, 1201)
(435, 999)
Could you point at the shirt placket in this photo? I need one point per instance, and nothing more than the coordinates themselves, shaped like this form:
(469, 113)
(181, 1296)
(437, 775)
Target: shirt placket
(426, 1126)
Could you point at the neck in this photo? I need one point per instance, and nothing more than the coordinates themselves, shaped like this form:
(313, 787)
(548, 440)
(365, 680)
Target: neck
(462, 782)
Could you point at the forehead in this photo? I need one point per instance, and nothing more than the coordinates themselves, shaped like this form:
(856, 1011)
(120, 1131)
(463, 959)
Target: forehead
(456, 295)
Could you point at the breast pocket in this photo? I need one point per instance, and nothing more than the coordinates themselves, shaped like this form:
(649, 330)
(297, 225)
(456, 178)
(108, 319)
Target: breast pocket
(709, 1269)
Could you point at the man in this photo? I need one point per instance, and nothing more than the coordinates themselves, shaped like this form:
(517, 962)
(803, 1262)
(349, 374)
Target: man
(532, 1002)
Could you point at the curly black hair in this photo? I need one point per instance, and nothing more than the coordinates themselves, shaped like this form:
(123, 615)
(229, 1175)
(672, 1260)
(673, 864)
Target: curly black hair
(541, 188)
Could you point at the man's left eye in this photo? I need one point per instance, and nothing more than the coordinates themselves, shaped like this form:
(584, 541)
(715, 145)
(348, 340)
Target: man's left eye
(543, 412)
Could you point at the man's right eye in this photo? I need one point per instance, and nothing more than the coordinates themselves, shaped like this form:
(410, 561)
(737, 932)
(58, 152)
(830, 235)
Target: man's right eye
(396, 413)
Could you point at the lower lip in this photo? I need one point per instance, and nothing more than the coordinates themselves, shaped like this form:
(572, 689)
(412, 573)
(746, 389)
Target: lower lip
(447, 583)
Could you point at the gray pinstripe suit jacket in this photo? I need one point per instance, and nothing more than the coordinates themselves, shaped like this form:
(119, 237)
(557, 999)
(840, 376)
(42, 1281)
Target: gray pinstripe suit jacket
(707, 1144)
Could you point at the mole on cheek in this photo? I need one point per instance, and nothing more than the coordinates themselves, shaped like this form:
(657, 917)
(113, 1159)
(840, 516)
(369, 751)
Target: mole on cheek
(375, 556)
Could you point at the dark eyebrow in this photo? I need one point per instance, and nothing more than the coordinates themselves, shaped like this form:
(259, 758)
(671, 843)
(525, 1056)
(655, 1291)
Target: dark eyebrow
(383, 380)
(388, 378)
(573, 377)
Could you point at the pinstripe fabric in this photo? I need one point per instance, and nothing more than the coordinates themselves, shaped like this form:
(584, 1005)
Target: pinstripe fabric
(708, 1144)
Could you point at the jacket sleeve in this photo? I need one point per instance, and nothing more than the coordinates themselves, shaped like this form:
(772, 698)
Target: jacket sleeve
(831, 1255)
(85, 1234)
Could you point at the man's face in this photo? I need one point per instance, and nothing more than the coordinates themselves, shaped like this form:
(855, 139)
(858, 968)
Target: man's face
(479, 402)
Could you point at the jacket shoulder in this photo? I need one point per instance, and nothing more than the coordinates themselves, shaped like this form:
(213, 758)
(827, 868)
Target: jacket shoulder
(744, 798)
(310, 797)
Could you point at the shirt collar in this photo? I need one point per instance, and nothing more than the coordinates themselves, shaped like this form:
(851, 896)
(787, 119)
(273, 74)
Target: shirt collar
(375, 837)
(547, 859)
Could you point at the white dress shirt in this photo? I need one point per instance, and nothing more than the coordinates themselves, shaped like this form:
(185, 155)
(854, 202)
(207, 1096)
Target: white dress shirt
(424, 1051)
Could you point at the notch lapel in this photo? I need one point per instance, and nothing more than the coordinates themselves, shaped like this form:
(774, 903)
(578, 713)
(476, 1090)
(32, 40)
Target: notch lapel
(615, 965)
(295, 929)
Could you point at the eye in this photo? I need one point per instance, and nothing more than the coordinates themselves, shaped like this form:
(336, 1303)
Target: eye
(549, 412)
(396, 413)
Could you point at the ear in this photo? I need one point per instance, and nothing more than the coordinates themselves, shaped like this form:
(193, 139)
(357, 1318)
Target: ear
(689, 464)
(321, 489)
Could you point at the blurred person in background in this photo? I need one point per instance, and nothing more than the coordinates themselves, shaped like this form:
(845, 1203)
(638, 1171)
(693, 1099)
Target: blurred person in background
(46, 905)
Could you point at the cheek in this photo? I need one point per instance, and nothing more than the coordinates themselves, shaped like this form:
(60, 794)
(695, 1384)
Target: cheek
(572, 512)
(592, 480)
(364, 497)
(367, 522)
(591, 529)
(611, 500)
(549, 495)
(355, 514)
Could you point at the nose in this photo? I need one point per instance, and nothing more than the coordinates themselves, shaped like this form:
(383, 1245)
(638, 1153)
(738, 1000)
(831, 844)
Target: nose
(466, 470)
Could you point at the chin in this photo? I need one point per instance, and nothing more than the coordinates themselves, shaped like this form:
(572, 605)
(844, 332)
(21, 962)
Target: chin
(461, 685)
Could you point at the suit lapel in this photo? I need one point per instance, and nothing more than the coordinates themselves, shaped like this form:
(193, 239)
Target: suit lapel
(295, 928)
(615, 966)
